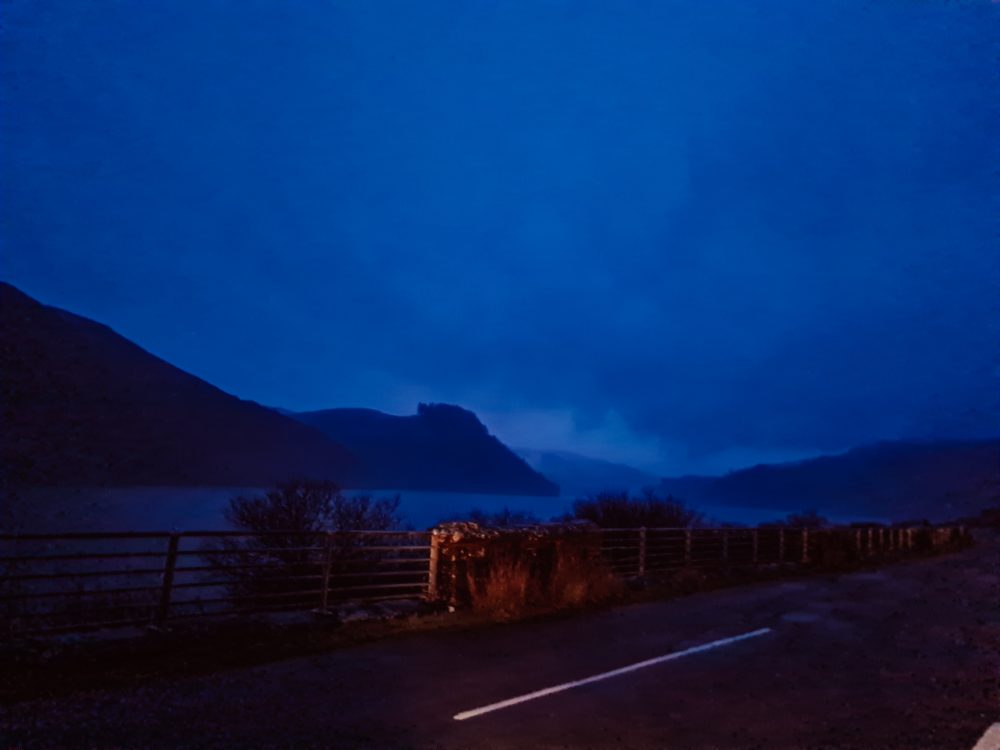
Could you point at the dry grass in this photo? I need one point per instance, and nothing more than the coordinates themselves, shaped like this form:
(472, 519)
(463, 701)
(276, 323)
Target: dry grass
(579, 579)
(514, 584)
(505, 590)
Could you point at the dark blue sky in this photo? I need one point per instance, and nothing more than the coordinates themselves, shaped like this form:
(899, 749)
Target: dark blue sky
(689, 235)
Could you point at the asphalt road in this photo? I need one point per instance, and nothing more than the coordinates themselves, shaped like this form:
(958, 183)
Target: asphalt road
(904, 657)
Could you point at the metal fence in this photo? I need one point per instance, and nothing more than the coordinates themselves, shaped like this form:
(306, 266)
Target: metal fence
(64, 582)
(637, 551)
(51, 583)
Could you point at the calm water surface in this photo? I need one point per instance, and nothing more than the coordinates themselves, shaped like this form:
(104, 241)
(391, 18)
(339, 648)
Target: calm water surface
(194, 508)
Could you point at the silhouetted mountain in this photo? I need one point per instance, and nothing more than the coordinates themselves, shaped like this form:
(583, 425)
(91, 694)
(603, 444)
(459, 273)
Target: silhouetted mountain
(84, 406)
(898, 481)
(442, 447)
(580, 476)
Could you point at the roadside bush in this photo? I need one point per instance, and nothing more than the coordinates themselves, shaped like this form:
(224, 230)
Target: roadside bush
(623, 510)
(265, 565)
(502, 519)
(304, 506)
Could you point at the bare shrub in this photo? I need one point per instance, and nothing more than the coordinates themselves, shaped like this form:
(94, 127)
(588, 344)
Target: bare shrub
(304, 506)
(270, 565)
(504, 518)
(623, 510)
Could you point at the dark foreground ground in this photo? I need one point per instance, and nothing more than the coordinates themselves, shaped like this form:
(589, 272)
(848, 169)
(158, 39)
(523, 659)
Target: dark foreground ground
(904, 657)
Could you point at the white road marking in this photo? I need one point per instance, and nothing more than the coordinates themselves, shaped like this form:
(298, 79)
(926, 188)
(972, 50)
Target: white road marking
(990, 739)
(605, 675)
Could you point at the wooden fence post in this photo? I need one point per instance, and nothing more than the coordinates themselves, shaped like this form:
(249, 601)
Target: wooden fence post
(781, 546)
(871, 541)
(725, 547)
(857, 542)
(453, 578)
(755, 547)
(324, 595)
(687, 546)
(805, 546)
(642, 550)
(432, 565)
(168, 578)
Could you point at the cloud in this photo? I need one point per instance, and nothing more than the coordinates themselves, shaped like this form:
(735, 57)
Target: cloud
(679, 235)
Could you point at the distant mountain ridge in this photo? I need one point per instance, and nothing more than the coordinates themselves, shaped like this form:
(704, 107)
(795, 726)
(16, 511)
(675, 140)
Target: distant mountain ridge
(442, 447)
(580, 476)
(938, 481)
(85, 406)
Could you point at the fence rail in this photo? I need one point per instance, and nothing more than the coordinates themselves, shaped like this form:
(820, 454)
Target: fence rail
(51, 583)
(638, 551)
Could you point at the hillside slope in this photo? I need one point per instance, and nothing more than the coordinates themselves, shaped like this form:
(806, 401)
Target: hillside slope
(442, 447)
(898, 480)
(82, 405)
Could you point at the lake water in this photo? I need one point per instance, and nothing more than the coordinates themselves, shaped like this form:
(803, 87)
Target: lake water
(201, 508)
